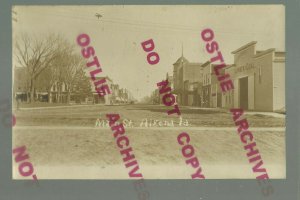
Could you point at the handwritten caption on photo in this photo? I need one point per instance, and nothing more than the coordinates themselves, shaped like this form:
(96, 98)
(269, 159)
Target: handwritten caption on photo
(147, 123)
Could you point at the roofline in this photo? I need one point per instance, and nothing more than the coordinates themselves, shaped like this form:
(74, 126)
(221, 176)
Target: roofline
(271, 50)
(280, 52)
(206, 63)
(244, 47)
(178, 60)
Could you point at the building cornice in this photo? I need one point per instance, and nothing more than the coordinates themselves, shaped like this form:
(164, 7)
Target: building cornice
(264, 53)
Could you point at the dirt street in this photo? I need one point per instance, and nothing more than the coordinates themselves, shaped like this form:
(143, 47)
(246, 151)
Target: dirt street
(69, 150)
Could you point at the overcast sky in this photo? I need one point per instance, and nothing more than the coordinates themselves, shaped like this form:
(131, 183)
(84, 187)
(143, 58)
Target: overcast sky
(117, 35)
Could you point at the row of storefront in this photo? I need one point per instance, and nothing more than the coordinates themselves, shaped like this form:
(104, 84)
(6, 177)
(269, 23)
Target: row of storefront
(259, 81)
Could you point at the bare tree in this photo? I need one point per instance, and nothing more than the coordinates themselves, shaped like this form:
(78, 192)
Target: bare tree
(74, 65)
(50, 61)
(36, 55)
(64, 68)
(46, 80)
(67, 68)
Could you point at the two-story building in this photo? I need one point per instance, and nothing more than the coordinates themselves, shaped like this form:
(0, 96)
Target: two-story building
(187, 77)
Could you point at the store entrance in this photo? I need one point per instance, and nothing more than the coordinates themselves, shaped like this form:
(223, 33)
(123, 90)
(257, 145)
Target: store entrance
(243, 90)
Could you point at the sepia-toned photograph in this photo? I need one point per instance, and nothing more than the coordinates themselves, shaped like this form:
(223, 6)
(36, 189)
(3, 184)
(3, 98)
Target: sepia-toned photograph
(149, 92)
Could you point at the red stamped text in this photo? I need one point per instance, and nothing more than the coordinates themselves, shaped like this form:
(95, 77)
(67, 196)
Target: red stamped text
(25, 167)
(152, 57)
(87, 52)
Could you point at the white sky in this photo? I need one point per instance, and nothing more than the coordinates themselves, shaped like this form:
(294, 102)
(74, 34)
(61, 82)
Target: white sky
(116, 36)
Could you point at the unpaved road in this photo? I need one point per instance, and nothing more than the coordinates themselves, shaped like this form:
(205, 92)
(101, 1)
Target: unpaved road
(91, 153)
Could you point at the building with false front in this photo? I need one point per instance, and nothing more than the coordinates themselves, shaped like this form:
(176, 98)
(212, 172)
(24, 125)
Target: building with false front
(207, 84)
(187, 79)
(259, 79)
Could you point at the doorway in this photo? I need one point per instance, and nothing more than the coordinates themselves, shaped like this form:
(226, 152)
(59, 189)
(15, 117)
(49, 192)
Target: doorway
(243, 90)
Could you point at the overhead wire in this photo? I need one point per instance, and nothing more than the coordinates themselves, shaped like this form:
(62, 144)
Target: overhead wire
(141, 23)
